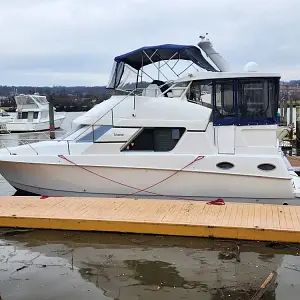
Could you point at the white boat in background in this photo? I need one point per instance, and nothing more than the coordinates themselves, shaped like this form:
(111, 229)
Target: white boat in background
(4, 116)
(201, 136)
(32, 114)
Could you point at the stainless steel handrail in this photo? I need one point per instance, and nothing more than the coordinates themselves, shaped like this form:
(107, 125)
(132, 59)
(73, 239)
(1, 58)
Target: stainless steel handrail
(27, 142)
(5, 147)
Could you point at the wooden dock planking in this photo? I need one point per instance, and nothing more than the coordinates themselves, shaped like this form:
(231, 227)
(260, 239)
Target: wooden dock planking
(294, 161)
(170, 217)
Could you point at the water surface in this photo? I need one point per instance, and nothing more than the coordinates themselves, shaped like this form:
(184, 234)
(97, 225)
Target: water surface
(73, 265)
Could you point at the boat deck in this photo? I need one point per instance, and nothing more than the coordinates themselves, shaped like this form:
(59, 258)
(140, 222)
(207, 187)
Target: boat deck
(167, 217)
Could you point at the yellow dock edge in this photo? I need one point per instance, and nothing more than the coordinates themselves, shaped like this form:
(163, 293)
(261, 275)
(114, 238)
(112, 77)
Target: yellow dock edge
(153, 228)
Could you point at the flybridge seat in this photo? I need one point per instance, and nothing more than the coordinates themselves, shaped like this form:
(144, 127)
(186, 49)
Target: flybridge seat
(152, 90)
(155, 88)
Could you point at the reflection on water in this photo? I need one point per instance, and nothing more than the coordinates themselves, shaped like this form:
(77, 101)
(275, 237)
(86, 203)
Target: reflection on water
(157, 273)
(16, 139)
(112, 266)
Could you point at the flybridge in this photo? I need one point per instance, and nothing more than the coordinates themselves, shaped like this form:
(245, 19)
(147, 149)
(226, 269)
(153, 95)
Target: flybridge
(164, 55)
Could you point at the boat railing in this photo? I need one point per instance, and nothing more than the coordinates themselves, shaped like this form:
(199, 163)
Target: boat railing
(139, 91)
(29, 142)
(110, 111)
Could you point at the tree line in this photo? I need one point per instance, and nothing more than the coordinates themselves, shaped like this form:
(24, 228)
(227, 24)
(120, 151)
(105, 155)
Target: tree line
(76, 98)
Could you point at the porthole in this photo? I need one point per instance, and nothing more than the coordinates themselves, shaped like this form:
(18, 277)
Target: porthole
(225, 165)
(266, 167)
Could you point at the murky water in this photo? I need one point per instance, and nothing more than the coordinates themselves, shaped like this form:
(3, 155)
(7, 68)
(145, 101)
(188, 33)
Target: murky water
(72, 265)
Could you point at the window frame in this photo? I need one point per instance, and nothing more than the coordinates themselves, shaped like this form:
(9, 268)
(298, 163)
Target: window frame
(22, 114)
(125, 149)
(245, 121)
(230, 120)
(202, 82)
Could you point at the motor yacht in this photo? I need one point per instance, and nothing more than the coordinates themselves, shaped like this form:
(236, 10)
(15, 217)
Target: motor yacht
(32, 114)
(203, 135)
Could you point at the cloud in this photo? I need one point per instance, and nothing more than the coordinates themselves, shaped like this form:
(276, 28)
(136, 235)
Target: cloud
(74, 41)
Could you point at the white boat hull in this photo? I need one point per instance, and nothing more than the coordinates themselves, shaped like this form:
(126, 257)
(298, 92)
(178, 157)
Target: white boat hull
(33, 126)
(68, 180)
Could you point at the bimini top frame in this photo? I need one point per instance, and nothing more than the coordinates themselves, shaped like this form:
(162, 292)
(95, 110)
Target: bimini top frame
(144, 56)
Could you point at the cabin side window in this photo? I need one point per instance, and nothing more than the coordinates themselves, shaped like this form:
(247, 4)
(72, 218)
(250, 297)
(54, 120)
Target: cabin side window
(200, 92)
(35, 114)
(155, 139)
(257, 100)
(224, 100)
(246, 101)
(22, 115)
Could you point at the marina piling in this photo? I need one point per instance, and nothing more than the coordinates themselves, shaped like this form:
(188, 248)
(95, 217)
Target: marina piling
(284, 113)
(291, 115)
(298, 130)
(281, 112)
(51, 117)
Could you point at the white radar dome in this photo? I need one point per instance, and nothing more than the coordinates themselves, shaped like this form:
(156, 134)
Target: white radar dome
(251, 67)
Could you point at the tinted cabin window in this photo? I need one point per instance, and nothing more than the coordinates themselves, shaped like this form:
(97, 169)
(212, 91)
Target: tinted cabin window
(245, 101)
(35, 114)
(253, 98)
(156, 139)
(224, 100)
(257, 100)
(22, 115)
(144, 141)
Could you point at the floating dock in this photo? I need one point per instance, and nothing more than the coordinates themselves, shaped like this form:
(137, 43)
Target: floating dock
(165, 217)
(294, 162)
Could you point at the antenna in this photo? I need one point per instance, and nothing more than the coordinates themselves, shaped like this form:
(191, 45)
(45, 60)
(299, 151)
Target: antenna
(202, 37)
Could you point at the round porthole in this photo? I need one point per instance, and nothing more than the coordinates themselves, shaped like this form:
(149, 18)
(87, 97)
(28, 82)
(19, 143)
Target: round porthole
(266, 167)
(225, 165)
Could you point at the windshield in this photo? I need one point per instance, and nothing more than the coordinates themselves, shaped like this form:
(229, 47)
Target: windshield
(177, 89)
(200, 92)
(40, 99)
(24, 100)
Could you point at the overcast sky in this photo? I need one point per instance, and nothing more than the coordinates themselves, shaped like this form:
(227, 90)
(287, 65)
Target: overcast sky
(73, 42)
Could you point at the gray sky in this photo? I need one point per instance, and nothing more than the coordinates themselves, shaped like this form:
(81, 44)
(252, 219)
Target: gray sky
(73, 42)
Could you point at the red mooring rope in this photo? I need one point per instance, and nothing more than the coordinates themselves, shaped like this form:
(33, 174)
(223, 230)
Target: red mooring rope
(218, 201)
